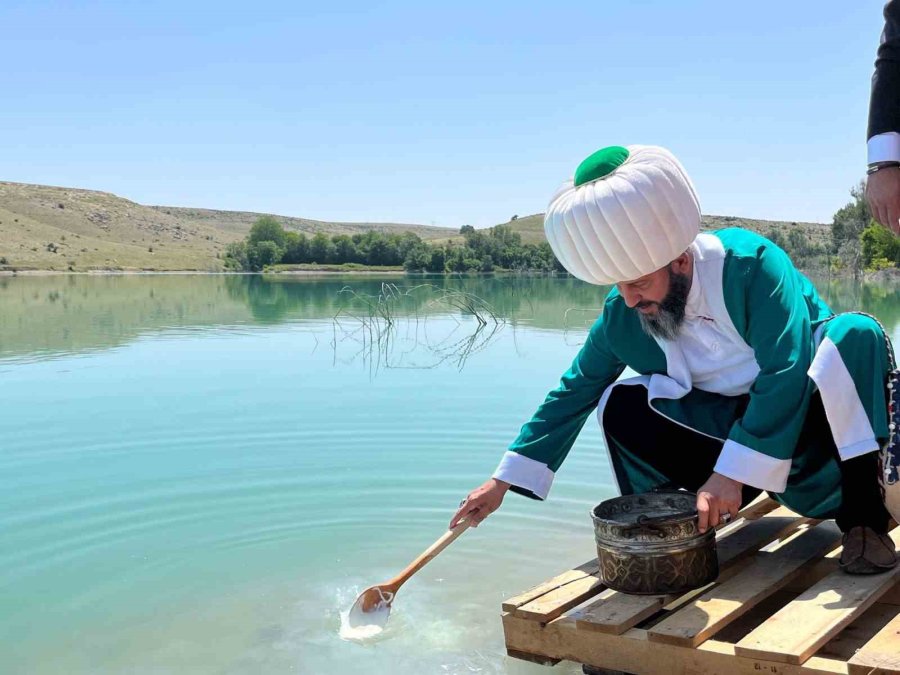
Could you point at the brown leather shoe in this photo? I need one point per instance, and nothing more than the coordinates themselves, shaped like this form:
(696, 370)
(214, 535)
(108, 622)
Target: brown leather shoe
(867, 552)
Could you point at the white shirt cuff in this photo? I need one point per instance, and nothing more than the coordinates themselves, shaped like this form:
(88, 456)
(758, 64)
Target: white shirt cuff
(884, 147)
(751, 467)
(526, 473)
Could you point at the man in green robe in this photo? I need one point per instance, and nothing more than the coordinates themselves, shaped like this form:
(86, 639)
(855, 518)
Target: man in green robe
(746, 380)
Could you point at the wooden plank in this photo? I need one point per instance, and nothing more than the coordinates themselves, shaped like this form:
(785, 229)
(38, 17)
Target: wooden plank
(632, 652)
(747, 537)
(826, 566)
(881, 654)
(553, 604)
(759, 507)
(619, 612)
(763, 576)
(795, 632)
(593, 670)
(814, 573)
(892, 597)
(580, 572)
(850, 640)
(737, 629)
(532, 658)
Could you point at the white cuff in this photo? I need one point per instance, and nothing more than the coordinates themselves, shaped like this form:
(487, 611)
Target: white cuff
(524, 472)
(751, 467)
(884, 147)
(847, 418)
(859, 448)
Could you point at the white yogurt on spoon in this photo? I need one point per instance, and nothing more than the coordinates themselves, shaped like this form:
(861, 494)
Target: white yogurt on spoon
(358, 625)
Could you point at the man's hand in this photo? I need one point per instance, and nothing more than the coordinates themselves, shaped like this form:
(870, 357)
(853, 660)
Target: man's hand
(718, 496)
(481, 502)
(883, 195)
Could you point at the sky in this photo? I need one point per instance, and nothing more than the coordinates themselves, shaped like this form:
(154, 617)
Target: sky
(434, 113)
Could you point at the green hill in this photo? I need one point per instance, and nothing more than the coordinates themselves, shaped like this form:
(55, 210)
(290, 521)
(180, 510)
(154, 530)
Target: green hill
(53, 228)
(532, 227)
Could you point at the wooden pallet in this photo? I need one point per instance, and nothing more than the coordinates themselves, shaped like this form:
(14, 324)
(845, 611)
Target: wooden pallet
(780, 606)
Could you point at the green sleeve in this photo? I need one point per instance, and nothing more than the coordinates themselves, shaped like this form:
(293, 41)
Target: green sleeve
(545, 440)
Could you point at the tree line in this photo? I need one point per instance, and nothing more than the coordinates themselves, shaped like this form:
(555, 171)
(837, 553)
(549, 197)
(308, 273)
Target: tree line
(499, 248)
(856, 244)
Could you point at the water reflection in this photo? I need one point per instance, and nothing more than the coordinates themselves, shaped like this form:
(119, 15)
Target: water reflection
(515, 298)
(391, 329)
(45, 316)
(881, 299)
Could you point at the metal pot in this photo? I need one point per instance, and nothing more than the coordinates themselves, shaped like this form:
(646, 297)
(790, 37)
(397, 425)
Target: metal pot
(650, 544)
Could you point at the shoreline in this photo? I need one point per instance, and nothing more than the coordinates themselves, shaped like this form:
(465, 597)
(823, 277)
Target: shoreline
(100, 273)
(301, 273)
(881, 275)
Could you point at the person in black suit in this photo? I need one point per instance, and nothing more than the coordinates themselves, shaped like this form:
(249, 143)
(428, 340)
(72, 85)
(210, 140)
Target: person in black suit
(883, 182)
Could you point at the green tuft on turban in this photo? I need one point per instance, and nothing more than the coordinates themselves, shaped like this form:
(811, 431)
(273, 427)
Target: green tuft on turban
(600, 164)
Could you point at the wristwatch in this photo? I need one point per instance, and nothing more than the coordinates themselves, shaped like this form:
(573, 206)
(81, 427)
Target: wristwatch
(878, 166)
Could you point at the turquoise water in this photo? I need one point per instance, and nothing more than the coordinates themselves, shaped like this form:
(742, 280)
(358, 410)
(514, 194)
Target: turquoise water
(201, 472)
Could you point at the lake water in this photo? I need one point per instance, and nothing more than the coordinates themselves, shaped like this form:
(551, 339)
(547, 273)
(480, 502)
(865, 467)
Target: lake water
(201, 472)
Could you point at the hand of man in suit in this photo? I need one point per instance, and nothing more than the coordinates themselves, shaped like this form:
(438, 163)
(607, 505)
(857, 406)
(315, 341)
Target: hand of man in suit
(883, 195)
(883, 185)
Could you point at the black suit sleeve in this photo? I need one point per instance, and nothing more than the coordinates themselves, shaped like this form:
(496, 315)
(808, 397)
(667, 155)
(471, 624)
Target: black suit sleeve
(884, 106)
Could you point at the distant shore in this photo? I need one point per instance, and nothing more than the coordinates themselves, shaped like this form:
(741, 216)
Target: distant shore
(302, 273)
(98, 273)
(891, 274)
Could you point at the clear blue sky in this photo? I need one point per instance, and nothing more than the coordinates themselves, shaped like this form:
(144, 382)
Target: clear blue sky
(443, 113)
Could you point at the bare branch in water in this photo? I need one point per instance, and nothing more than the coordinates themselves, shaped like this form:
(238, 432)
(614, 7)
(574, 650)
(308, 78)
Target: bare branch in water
(391, 331)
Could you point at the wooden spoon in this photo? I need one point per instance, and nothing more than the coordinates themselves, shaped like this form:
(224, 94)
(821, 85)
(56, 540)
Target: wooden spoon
(374, 603)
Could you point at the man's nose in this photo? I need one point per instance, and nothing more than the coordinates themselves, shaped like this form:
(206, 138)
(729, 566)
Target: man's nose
(631, 298)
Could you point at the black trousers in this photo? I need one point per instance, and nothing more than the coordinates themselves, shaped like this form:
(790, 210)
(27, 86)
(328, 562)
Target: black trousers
(652, 439)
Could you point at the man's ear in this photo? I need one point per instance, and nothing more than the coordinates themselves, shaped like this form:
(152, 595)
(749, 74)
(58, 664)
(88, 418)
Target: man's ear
(681, 264)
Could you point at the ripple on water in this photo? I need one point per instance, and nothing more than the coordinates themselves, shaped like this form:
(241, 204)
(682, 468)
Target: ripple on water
(251, 506)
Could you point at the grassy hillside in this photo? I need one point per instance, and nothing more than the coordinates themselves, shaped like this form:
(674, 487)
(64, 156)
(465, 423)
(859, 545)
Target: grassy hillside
(54, 228)
(532, 227)
(45, 227)
(239, 222)
(817, 233)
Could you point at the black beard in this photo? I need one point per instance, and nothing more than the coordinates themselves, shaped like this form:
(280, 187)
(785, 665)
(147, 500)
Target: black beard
(669, 316)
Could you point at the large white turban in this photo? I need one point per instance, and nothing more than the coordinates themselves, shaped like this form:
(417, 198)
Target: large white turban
(627, 212)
